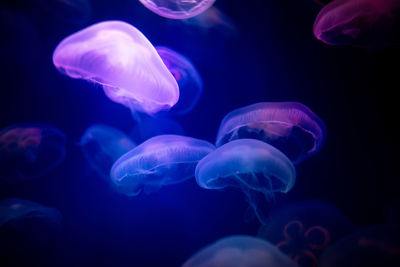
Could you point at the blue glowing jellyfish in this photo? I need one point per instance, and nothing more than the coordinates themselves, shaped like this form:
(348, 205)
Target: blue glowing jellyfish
(23, 220)
(119, 57)
(28, 151)
(177, 9)
(365, 23)
(303, 230)
(377, 245)
(188, 79)
(102, 145)
(289, 126)
(161, 160)
(255, 167)
(240, 250)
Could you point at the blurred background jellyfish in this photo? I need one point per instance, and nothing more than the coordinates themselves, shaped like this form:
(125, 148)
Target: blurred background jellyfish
(289, 126)
(257, 168)
(119, 57)
(28, 151)
(240, 250)
(102, 145)
(365, 23)
(377, 245)
(161, 160)
(188, 79)
(303, 230)
(177, 9)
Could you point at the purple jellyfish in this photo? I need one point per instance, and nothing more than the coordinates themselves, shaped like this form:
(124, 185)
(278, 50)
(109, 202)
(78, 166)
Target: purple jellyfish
(238, 251)
(161, 160)
(117, 56)
(188, 79)
(365, 23)
(303, 230)
(289, 126)
(28, 151)
(177, 9)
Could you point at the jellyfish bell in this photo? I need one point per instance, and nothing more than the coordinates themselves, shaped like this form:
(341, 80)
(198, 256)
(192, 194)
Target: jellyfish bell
(161, 160)
(289, 126)
(257, 168)
(28, 151)
(119, 57)
(240, 250)
(177, 9)
(188, 79)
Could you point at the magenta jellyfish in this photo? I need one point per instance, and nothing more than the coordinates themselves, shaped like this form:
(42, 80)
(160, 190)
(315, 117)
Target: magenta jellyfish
(303, 230)
(161, 160)
(28, 151)
(177, 9)
(238, 251)
(188, 79)
(119, 57)
(289, 126)
(377, 245)
(365, 23)
(255, 167)
(102, 145)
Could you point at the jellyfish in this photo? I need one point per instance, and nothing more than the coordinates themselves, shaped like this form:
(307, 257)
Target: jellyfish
(239, 250)
(117, 56)
(177, 9)
(29, 151)
(188, 79)
(289, 126)
(303, 230)
(161, 160)
(377, 245)
(365, 23)
(102, 145)
(257, 168)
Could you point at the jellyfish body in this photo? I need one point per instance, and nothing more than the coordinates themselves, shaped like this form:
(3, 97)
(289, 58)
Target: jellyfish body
(365, 23)
(303, 230)
(119, 57)
(161, 160)
(177, 9)
(240, 250)
(188, 79)
(257, 168)
(289, 126)
(28, 151)
(102, 145)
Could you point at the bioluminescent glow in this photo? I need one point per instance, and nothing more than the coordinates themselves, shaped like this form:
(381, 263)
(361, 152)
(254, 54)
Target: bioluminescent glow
(303, 230)
(238, 251)
(102, 145)
(177, 9)
(188, 79)
(358, 22)
(119, 57)
(161, 160)
(28, 151)
(255, 167)
(289, 126)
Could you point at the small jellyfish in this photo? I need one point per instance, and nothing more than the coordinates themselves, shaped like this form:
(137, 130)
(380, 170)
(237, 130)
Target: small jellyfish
(161, 160)
(257, 168)
(239, 250)
(289, 126)
(102, 145)
(364, 23)
(28, 151)
(188, 79)
(303, 230)
(177, 9)
(119, 57)
(377, 245)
